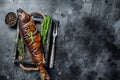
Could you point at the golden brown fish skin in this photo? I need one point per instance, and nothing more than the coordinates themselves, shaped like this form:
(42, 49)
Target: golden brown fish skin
(27, 25)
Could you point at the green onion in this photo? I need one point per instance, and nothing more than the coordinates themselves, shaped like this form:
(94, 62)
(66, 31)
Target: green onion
(31, 36)
(45, 26)
(21, 47)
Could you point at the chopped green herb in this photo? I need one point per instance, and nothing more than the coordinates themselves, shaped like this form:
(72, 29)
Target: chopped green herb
(31, 36)
(44, 30)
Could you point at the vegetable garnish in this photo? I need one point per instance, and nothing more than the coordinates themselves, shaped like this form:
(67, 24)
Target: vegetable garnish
(31, 36)
(44, 30)
(21, 47)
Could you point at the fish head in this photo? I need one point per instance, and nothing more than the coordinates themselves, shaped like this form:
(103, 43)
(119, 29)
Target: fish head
(23, 16)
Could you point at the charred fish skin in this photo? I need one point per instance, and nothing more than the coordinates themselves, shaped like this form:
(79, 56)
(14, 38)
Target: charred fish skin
(26, 26)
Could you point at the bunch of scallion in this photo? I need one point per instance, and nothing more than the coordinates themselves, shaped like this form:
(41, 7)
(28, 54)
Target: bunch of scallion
(21, 47)
(45, 27)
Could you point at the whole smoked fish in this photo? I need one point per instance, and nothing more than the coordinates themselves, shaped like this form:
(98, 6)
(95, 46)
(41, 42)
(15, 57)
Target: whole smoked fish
(27, 27)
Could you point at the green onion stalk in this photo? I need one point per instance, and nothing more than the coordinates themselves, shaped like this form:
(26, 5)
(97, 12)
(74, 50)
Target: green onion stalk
(21, 47)
(31, 36)
(44, 30)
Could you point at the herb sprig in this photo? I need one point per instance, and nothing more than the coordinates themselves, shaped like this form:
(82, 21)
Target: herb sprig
(21, 47)
(44, 30)
(31, 36)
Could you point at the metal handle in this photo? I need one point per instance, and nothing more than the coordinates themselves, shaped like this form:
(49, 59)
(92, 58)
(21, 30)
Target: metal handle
(52, 56)
(53, 46)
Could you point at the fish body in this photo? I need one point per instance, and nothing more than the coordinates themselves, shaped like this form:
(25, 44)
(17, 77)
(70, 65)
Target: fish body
(32, 39)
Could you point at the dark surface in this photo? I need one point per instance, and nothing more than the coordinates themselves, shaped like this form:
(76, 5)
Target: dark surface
(88, 43)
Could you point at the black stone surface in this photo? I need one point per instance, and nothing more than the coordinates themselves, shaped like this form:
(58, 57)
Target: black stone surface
(88, 42)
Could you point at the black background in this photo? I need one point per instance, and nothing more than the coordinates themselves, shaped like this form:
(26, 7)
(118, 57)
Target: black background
(88, 42)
